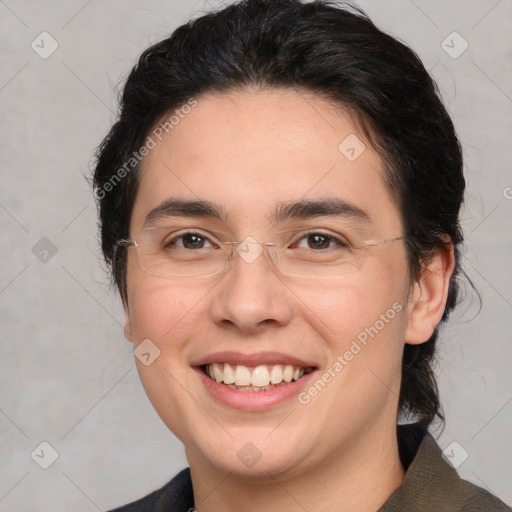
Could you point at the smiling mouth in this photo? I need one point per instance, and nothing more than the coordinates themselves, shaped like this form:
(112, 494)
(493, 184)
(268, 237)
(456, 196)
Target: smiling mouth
(254, 378)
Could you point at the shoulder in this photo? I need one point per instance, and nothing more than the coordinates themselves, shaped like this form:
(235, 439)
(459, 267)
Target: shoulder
(431, 483)
(480, 500)
(175, 495)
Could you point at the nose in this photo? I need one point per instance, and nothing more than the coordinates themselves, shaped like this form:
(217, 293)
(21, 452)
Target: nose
(251, 295)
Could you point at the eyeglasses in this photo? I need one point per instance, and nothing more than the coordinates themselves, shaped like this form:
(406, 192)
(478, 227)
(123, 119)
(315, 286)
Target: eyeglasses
(192, 253)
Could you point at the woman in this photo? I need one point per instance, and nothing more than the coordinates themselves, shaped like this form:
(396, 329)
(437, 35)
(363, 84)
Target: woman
(283, 228)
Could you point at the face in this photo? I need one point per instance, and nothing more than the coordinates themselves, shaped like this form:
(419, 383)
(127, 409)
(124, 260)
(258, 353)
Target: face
(248, 154)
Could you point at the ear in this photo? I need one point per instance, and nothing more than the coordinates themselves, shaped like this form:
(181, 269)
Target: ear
(428, 297)
(127, 325)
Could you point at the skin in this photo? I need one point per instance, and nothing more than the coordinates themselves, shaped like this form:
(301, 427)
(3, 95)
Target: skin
(247, 151)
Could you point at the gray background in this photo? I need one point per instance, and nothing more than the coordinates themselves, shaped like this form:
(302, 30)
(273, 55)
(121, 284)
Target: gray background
(67, 375)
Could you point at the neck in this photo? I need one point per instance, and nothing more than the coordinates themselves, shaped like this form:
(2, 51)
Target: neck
(361, 476)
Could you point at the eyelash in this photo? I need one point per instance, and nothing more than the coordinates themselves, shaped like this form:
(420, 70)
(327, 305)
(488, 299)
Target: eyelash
(340, 242)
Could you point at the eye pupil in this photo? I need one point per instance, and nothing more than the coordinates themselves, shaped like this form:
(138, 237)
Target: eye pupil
(193, 241)
(318, 241)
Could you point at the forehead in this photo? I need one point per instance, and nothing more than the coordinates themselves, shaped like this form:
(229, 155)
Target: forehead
(252, 151)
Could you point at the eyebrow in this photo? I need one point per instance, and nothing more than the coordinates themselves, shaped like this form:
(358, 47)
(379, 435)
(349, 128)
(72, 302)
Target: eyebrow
(332, 207)
(186, 208)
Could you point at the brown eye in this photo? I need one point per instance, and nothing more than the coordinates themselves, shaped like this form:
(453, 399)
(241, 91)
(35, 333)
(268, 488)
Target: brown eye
(320, 241)
(188, 241)
(193, 241)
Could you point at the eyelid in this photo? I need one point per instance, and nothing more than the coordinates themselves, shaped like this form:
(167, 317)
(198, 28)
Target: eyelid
(335, 237)
(184, 229)
(334, 230)
(180, 234)
(182, 226)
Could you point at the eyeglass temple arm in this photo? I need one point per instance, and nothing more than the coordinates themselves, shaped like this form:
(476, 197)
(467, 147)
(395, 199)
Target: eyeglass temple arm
(382, 242)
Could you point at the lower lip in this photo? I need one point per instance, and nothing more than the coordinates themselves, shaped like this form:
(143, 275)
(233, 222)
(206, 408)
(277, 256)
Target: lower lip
(253, 400)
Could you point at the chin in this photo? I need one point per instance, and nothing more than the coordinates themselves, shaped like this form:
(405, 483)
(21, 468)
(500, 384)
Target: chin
(255, 455)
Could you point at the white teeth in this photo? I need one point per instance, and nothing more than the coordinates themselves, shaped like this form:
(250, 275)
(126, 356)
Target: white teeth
(276, 375)
(217, 374)
(261, 377)
(229, 374)
(288, 373)
(242, 376)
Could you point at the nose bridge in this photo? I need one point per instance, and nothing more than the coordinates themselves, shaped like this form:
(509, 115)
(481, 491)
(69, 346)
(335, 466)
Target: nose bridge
(251, 294)
(252, 265)
(249, 250)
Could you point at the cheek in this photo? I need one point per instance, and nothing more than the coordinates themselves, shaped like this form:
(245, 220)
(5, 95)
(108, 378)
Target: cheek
(362, 321)
(169, 315)
(343, 308)
(163, 310)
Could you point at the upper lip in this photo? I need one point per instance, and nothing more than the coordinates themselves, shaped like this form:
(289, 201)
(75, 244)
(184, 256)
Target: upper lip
(257, 359)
